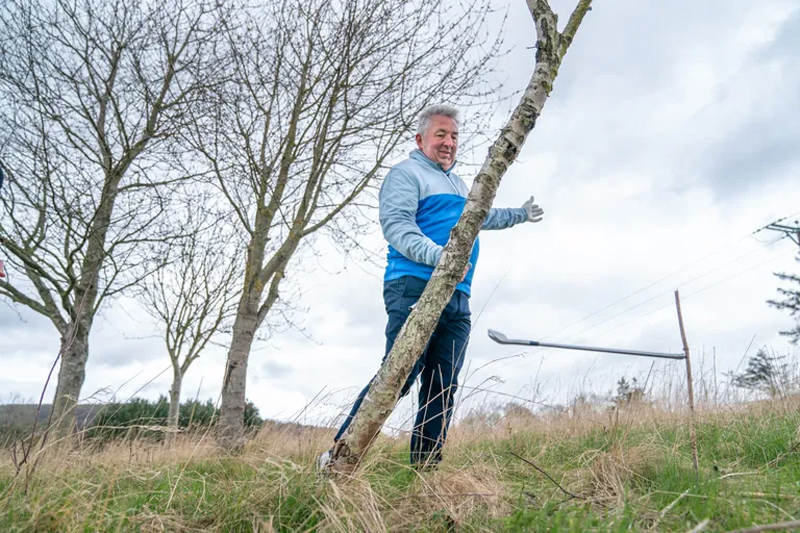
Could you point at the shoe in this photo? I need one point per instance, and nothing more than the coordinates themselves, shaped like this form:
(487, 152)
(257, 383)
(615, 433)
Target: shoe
(2, 270)
(324, 461)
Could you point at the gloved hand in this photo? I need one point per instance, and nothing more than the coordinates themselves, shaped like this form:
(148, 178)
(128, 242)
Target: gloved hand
(533, 211)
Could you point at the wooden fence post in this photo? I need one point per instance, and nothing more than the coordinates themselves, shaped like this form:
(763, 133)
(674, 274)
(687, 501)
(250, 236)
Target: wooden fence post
(692, 434)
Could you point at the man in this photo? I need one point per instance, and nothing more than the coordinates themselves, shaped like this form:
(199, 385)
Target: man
(420, 201)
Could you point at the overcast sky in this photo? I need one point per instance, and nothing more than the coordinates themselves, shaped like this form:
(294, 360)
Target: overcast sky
(672, 133)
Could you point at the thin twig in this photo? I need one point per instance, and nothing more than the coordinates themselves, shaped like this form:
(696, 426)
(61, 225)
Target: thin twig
(52, 407)
(669, 507)
(736, 474)
(36, 420)
(700, 527)
(762, 495)
(548, 476)
(779, 526)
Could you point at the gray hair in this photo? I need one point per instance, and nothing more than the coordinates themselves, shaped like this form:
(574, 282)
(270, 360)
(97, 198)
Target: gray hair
(428, 112)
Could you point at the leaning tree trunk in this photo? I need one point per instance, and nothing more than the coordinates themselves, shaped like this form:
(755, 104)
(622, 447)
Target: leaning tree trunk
(412, 339)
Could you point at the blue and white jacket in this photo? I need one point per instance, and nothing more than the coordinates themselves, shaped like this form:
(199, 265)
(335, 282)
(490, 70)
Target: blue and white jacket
(420, 202)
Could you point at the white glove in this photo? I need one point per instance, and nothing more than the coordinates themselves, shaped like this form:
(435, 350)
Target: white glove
(533, 211)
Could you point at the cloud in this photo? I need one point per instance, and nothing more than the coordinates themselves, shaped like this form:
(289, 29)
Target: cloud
(763, 144)
(25, 332)
(670, 136)
(275, 370)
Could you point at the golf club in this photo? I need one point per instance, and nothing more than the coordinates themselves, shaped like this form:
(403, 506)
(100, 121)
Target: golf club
(500, 338)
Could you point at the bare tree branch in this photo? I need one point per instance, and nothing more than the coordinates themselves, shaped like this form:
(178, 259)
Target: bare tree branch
(92, 94)
(192, 291)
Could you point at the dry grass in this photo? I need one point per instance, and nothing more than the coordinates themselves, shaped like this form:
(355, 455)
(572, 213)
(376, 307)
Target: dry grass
(609, 473)
(626, 466)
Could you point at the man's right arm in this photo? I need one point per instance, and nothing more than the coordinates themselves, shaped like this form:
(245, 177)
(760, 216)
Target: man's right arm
(398, 200)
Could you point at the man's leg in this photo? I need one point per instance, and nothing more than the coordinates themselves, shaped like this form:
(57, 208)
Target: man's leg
(398, 297)
(406, 387)
(443, 361)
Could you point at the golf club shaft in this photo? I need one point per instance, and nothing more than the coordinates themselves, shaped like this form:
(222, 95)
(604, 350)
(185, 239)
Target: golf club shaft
(607, 350)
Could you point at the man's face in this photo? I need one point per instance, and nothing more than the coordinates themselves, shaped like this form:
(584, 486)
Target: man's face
(440, 142)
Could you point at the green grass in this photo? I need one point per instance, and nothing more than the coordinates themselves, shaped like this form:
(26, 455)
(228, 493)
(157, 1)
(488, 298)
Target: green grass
(635, 475)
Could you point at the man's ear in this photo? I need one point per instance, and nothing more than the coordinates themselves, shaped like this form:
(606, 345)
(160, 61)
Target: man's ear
(418, 138)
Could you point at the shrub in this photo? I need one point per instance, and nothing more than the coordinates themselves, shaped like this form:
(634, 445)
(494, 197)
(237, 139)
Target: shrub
(144, 418)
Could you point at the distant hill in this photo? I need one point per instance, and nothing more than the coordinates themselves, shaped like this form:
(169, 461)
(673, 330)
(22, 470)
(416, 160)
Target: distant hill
(21, 416)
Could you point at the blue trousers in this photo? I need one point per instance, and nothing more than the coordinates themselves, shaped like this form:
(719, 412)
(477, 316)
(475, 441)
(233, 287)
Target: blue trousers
(438, 366)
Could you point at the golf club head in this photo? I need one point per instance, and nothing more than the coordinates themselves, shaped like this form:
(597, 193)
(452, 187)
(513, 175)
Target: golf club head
(498, 337)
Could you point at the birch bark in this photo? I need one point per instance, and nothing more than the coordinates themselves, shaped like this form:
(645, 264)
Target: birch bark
(412, 339)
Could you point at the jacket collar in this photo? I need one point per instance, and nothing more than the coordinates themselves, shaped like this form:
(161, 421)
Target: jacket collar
(417, 155)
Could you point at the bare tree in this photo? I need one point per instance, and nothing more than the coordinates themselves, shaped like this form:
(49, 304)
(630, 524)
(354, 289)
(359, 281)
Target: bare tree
(320, 95)
(91, 93)
(413, 337)
(192, 291)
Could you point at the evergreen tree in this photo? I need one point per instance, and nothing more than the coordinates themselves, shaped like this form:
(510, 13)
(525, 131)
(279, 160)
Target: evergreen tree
(144, 418)
(790, 302)
(764, 372)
